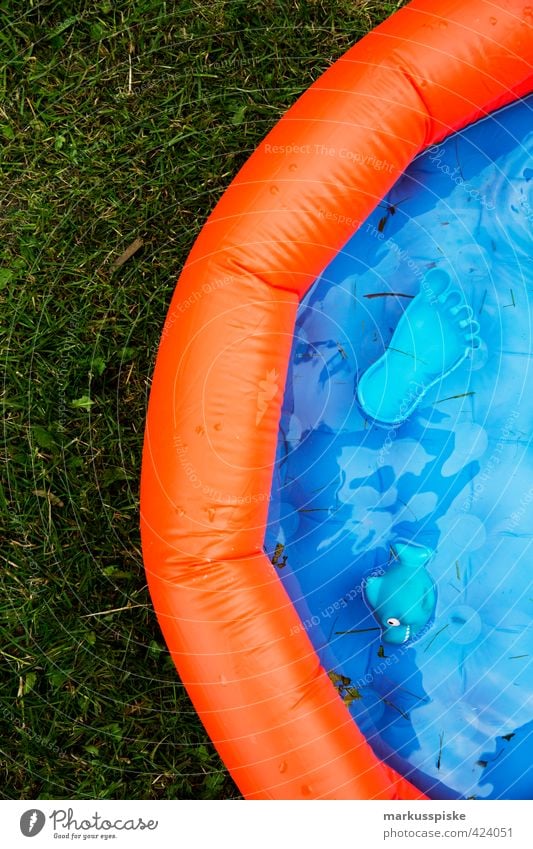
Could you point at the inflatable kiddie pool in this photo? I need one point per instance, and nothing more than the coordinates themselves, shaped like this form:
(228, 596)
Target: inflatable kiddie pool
(269, 496)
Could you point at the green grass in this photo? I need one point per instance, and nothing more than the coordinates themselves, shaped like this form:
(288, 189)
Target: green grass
(121, 121)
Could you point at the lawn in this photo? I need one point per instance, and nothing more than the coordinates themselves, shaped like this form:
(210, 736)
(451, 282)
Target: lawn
(121, 124)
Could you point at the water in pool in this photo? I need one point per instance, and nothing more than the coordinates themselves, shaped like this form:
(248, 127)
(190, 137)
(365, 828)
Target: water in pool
(453, 708)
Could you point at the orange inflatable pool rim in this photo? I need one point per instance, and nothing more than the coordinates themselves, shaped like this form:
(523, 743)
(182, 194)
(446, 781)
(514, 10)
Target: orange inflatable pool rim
(212, 423)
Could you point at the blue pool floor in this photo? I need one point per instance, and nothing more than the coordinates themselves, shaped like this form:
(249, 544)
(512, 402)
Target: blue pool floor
(453, 710)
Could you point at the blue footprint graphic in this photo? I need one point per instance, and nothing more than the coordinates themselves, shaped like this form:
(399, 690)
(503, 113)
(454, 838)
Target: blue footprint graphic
(433, 337)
